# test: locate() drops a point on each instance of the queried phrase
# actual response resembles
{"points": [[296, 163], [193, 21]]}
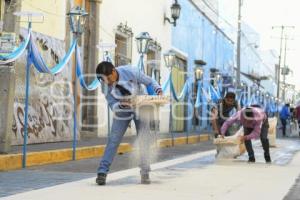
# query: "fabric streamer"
{"points": [[182, 94], [40, 63], [252, 100], [214, 94], [94, 84], [198, 98], [8, 58], [166, 84], [206, 95]]}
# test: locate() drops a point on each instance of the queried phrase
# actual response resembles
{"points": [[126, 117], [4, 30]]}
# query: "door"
{"points": [[179, 78]]}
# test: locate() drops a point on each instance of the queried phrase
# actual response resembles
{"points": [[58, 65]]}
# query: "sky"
{"points": [[261, 15]]}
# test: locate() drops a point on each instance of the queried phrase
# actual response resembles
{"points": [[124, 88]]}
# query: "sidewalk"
{"points": [[85, 142], [49, 153], [196, 176]]}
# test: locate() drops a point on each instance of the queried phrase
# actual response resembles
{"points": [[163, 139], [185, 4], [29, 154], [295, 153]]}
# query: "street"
{"points": [[183, 172]]}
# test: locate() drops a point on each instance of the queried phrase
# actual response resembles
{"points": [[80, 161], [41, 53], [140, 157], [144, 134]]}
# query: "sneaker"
{"points": [[101, 179], [251, 160], [145, 179], [268, 159]]}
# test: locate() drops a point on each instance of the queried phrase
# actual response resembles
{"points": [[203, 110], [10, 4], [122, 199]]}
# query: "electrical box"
{"points": [[285, 71]]}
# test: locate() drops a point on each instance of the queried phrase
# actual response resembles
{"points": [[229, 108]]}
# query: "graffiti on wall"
{"points": [[50, 102], [45, 121]]}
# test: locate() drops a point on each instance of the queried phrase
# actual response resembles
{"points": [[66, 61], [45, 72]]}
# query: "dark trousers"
{"points": [[263, 138], [283, 122], [299, 126]]}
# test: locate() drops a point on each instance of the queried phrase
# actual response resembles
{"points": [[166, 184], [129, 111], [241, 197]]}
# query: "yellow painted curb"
{"points": [[183, 140], [14, 161]]}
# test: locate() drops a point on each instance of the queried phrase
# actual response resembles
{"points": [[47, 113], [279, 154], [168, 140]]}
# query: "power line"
{"points": [[283, 28]]}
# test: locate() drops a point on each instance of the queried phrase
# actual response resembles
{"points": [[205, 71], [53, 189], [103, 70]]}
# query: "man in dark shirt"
{"points": [[222, 111]]}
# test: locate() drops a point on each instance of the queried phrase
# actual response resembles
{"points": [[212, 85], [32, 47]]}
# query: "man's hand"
{"points": [[125, 103], [218, 135], [159, 93]]}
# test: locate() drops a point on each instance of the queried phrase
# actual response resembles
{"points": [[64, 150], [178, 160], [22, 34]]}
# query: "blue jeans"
{"points": [[120, 124], [283, 122]]}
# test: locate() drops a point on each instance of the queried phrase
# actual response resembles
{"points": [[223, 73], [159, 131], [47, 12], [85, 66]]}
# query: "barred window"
{"points": [[154, 61], [123, 40]]}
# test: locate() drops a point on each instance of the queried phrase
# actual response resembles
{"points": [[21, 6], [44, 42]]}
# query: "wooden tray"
{"points": [[150, 100]]}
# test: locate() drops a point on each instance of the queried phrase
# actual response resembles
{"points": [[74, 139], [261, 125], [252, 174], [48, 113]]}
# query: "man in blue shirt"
{"points": [[123, 83], [284, 115]]}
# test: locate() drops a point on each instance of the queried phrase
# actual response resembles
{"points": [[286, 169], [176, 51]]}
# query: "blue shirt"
{"points": [[285, 113], [131, 79]]}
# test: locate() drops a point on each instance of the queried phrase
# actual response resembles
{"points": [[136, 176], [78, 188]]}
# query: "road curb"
{"points": [[14, 161]]}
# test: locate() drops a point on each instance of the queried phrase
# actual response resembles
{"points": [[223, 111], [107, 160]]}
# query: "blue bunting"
{"points": [[214, 94], [198, 98], [182, 94], [166, 84], [94, 84], [40, 63], [7, 58]]}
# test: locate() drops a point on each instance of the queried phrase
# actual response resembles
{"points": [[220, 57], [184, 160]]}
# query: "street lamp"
{"points": [[77, 18], [199, 69], [169, 58], [143, 40], [170, 61], [218, 77], [175, 13], [198, 73]]}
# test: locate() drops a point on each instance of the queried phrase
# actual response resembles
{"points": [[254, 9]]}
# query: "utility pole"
{"points": [[280, 51], [284, 72], [91, 59], [238, 50], [7, 79]]}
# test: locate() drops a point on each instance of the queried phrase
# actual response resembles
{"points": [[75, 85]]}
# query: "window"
{"points": [[123, 40], [153, 61]]}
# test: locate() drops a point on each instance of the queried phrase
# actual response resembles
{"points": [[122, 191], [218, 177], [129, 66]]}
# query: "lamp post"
{"points": [[258, 95], [77, 18], [243, 93], [143, 41], [30, 16], [267, 102], [175, 13], [169, 58]]}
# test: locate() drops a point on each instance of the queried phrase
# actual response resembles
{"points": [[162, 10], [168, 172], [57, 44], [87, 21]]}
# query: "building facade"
{"points": [[114, 23]]}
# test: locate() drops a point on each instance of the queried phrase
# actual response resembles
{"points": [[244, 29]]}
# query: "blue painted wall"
{"points": [[198, 38]]}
